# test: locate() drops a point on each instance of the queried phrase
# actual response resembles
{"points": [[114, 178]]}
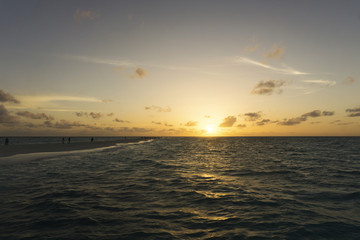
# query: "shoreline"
{"points": [[12, 150]]}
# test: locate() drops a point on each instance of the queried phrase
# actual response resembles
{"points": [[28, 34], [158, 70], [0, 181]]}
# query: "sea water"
{"points": [[187, 188]]}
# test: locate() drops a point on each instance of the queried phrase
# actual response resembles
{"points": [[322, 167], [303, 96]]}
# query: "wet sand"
{"points": [[10, 150]]}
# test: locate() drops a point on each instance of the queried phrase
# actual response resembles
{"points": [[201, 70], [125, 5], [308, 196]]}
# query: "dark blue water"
{"points": [[188, 188]]}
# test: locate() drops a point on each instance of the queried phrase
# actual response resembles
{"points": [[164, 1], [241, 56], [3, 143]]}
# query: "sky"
{"points": [[179, 68]]}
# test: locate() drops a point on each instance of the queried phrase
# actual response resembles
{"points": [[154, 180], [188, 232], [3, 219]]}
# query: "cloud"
{"points": [[252, 116], [284, 70], [53, 98], [65, 124], [293, 121], [315, 113], [304, 117], [341, 123], [111, 62], [207, 116], [139, 73], [7, 97], [82, 16], [5, 117], [160, 123], [120, 121], [118, 63], [157, 108], [252, 48], [349, 81], [191, 124], [37, 116], [94, 115], [81, 114], [241, 125], [263, 122], [328, 113], [353, 112], [268, 87], [275, 53], [228, 121], [321, 82], [119, 68]]}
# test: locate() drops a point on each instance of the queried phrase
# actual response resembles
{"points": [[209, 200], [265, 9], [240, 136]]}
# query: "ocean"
{"points": [[187, 188]]}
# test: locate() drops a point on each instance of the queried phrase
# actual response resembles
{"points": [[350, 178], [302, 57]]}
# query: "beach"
{"points": [[10, 150]]}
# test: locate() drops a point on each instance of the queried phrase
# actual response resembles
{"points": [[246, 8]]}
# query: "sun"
{"points": [[210, 129]]}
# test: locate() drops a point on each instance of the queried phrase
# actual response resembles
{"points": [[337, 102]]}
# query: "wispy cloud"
{"points": [[275, 53], [252, 48], [268, 87], [284, 70], [341, 123], [158, 109], [118, 64], [320, 82], [52, 98], [228, 121], [7, 97], [85, 15]]}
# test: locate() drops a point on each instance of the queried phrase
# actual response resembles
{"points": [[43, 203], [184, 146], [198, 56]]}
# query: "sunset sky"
{"points": [[179, 68]]}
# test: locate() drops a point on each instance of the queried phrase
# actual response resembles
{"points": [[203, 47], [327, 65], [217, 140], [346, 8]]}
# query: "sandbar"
{"points": [[10, 150]]}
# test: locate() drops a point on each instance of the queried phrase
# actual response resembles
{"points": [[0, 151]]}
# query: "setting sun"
{"points": [[210, 129]]}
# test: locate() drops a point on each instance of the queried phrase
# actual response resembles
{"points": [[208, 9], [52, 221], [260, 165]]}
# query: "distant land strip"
{"points": [[10, 150]]}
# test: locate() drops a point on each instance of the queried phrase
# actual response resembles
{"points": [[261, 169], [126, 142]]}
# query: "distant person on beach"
{"points": [[6, 141], [92, 139], [63, 140], [69, 139]]}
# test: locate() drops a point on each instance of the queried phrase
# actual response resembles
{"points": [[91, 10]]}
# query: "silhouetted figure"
{"points": [[69, 139], [63, 140], [92, 139], [6, 141]]}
